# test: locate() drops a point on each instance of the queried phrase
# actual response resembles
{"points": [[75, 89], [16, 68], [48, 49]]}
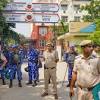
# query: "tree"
{"points": [[6, 33], [97, 21], [93, 16], [93, 11], [2, 20], [95, 37], [60, 29]]}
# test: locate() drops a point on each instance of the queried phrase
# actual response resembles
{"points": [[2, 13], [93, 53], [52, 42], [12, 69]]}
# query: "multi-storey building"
{"points": [[70, 10]]}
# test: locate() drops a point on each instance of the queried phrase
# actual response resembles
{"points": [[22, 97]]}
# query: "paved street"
{"points": [[34, 93]]}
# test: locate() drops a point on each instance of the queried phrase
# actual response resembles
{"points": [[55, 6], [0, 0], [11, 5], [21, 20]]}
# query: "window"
{"points": [[64, 8], [77, 18], [76, 7], [42, 43], [64, 18], [42, 30]]}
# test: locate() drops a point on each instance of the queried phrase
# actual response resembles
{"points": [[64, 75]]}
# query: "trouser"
{"points": [[70, 69], [84, 94], [13, 70], [2, 74], [50, 74], [37, 74], [32, 71]]}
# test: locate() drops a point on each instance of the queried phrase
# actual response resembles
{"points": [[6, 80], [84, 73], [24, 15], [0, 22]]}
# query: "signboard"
{"points": [[33, 7], [31, 17], [15, 7]]}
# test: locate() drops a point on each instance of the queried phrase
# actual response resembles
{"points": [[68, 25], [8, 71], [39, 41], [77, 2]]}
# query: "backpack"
{"points": [[15, 58], [1, 61]]}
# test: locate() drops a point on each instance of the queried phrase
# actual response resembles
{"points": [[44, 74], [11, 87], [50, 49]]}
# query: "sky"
{"points": [[24, 29]]}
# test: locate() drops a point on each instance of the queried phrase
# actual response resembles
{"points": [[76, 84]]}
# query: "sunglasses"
{"points": [[90, 46]]}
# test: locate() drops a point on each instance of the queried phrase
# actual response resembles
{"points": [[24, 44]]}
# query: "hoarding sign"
{"points": [[33, 7], [31, 17]]}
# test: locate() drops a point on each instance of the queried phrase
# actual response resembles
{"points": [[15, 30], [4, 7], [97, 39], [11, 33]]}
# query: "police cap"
{"points": [[85, 42], [14, 46], [48, 43]]}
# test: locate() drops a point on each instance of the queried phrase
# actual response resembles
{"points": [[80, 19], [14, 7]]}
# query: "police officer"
{"points": [[69, 57], [15, 66], [50, 62], [86, 71], [32, 64]]}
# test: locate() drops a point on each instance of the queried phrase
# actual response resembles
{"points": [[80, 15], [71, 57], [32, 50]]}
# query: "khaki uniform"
{"points": [[88, 75], [50, 69], [95, 54]]}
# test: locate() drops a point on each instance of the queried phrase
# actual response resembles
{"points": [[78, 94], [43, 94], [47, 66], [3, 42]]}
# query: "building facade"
{"points": [[70, 10], [41, 34]]}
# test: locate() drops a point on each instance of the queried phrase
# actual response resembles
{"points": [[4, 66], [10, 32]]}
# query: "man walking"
{"points": [[69, 57], [15, 66], [32, 55], [51, 59], [87, 72]]}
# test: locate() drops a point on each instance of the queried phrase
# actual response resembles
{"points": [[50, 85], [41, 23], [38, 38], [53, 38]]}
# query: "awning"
{"points": [[70, 35]]}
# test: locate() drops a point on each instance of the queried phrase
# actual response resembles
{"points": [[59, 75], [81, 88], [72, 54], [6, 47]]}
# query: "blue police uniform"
{"points": [[2, 72], [33, 64], [7, 54], [15, 67], [22, 55], [69, 58]]}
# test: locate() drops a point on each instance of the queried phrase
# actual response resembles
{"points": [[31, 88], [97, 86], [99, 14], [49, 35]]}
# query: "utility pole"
{"points": [[54, 35]]}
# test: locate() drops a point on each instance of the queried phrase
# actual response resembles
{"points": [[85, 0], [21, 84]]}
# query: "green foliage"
{"points": [[64, 26], [2, 22], [9, 36], [93, 11], [6, 33], [61, 29], [95, 37], [97, 21], [93, 16], [3, 4], [2, 19]]}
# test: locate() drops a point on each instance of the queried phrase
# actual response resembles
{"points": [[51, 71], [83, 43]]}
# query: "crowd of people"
{"points": [[11, 62], [83, 68]]}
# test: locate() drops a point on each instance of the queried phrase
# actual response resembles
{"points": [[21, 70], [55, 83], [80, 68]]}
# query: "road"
{"points": [[34, 93]]}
